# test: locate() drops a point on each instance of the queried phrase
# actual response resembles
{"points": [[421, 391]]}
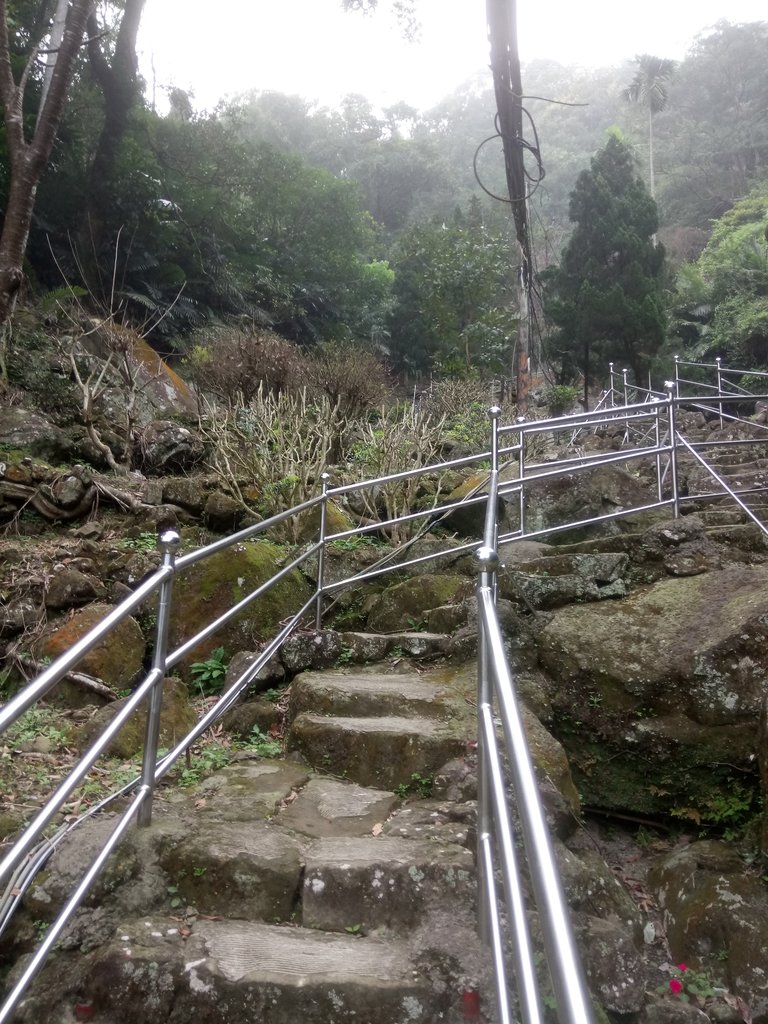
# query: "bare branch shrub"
{"points": [[349, 375], [406, 438], [270, 452], [232, 364]]}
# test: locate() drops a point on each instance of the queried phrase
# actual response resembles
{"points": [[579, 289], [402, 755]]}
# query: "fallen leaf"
{"points": [[200, 802], [377, 829]]}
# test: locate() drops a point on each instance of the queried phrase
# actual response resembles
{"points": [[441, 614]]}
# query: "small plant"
{"points": [[262, 744], [418, 785], [174, 897], [210, 759], [199, 872], [416, 625], [209, 674], [345, 655], [688, 984], [144, 542], [354, 929]]}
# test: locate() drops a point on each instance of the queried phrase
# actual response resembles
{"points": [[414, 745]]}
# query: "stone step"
{"points": [[237, 869], [235, 971], [383, 882], [331, 807], [385, 751], [362, 695]]}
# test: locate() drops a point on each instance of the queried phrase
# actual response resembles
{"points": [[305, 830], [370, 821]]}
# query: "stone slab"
{"points": [[236, 869], [328, 807], [363, 694], [382, 752], [247, 790], [382, 882]]}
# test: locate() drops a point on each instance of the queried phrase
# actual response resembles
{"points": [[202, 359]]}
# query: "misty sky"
{"points": [[312, 48]]}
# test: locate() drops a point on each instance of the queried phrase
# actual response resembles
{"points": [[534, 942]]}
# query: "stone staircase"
{"points": [[322, 888], [743, 469]]}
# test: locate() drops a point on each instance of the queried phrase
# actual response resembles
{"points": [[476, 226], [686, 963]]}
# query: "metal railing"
{"points": [[515, 475]]}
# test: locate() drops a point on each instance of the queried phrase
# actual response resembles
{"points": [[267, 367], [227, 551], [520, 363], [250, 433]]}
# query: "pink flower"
{"points": [[682, 967], [676, 985]]}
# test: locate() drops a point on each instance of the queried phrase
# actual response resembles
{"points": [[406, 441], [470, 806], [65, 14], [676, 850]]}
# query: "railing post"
{"points": [[168, 543], [487, 562], [521, 476], [610, 385], [719, 389], [626, 386], [325, 477], [657, 428], [670, 386], [676, 382]]}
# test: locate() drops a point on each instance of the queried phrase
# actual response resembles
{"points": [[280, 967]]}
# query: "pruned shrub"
{"points": [[349, 375], [269, 452], [232, 364]]}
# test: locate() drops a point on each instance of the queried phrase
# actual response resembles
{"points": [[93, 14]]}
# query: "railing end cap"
{"points": [[169, 540], [487, 559]]}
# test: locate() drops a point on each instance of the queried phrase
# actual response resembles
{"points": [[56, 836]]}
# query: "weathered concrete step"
{"points": [[330, 807], [338, 693], [383, 882], [237, 869], [383, 751], [235, 972]]}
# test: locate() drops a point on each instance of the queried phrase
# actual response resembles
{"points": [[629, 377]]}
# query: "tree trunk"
{"points": [[118, 84], [28, 160]]}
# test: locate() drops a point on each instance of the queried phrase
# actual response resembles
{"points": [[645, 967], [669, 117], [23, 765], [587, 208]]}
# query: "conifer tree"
{"points": [[605, 298]]}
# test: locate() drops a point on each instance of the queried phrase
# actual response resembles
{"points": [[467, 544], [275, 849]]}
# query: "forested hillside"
{"points": [[373, 226]]}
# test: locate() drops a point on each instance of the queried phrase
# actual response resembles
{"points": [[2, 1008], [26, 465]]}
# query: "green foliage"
{"points": [[37, 723], [143, 542], [418, 785], [721, 305], [606, 297], [209, 674], [262, 744], [208, 760], [454, 288], [560, 398]]}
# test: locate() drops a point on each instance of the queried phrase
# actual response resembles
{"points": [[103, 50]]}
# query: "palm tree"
{"points": [[649, 89]]}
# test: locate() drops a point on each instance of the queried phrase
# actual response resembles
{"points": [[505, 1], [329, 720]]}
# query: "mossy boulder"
{"points": [[587, 494], [658, 695], [177, 717], [117, 661], [212, 586], [715, 915], [406, 604], [336, 521]]}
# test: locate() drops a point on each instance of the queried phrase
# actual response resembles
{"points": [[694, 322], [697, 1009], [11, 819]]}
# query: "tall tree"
{"points": [[30, 149], [649, 89], [112, 58], [606, 296]]}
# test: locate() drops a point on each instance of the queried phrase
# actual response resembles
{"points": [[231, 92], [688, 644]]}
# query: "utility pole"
{"points": [[507, 83]]}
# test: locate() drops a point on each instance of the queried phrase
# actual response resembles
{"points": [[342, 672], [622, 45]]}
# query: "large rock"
{"points": [[405, 604], [555, 580], [586, 494], [658, 693], [33, 433], [117, 660], [177, 717], [712, 905], [169, 447], [212, 586]]}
